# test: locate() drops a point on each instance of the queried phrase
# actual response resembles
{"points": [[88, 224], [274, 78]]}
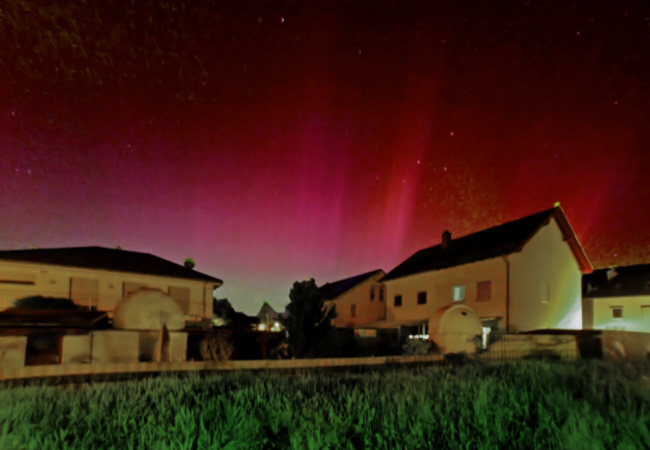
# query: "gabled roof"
{"points": [[101, 258], [621, 282], [494, 242], [330, 291], [267, 311]]}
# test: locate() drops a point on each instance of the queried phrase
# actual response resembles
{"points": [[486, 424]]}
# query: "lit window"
{"points": [[422, 298], [617, 312], [353, 310], [484, 336], [483, 291], [372, 293], [398, 300], [459, 293]]}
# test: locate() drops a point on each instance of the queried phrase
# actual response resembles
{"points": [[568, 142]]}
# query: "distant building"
{"points": [[359, 299], [269, 319], [522, 275], [98, 278], [617, 298]]}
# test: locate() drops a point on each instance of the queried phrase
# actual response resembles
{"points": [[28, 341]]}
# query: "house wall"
{"points": [[545, 284], [636, 313], [367, 311], [19, 280], [439, 285]]}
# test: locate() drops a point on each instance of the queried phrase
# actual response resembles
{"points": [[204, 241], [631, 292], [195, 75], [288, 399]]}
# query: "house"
{"points": [[518, 276], [98, 278], [617, 298], [270, 320], [359, 299]]}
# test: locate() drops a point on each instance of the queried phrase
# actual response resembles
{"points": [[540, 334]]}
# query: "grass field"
{"points": [[579, 405]]}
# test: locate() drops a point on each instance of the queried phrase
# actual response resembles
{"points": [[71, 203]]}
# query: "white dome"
{"points": [[454, 327], [148, 309]]}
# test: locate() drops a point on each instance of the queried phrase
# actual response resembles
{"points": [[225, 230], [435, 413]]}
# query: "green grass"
{"points": [[582, 405]]}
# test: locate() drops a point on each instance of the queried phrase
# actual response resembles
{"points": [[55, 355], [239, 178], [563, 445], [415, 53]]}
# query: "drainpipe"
{"points": [[507, 293]]}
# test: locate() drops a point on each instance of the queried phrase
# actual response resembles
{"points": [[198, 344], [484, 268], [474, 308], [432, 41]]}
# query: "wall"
{"points": [[439, 288], [12, 351], [367, 311], [635, 315], [54, 281], [545, 284]]}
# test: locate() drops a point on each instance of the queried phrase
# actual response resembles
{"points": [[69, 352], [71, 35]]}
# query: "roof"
{"points": [[494, 242], [330, 291], [101, 258], [267, 311], [625, 281]]}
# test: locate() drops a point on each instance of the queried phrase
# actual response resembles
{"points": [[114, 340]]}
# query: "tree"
{"points": [[309, 322], [41, 302], [222, 311]]}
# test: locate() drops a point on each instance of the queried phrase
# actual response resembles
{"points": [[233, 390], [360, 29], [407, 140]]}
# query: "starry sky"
{"points": [[278, 141]]}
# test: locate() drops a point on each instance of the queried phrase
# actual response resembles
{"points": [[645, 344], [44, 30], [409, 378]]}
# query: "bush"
{"points": [[216, 347], [41, 302], [417, 347]]}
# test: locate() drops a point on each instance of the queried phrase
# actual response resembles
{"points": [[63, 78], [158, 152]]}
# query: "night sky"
{"points": [[278, 141]]}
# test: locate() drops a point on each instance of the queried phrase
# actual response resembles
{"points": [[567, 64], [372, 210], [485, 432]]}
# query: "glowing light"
{"points": [[261, 327]]}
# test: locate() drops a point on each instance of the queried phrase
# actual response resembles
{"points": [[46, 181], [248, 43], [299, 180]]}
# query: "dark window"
{"points": [[372, 293], [353, 310], [483, 291], [381, 293], [617, 312], [422, 298], [398, 300]]}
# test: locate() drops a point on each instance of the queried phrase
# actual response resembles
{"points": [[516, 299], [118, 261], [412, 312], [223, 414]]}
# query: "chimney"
{"points": [[446, 239]]}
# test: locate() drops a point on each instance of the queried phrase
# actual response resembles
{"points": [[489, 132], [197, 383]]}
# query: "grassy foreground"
{"points": [[582, 405]]}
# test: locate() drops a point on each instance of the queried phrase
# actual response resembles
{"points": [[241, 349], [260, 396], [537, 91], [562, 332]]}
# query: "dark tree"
{"points": [[309, 322], [223, 309], [41, 302]]}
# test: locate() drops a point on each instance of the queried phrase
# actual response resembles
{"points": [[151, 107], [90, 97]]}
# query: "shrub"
{"points": [[216, 346]]}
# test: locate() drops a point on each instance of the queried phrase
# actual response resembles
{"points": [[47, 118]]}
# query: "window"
{"points": [[372, 293], [617, 312], [422, 298], [353, 310], [365, 332], [381, 293], [459, 293], [485, 335], [483, 291], [182, 297], [398, 300]]}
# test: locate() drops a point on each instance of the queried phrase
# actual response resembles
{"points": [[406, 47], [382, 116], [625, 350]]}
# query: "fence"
{"points": [[512, 347]]}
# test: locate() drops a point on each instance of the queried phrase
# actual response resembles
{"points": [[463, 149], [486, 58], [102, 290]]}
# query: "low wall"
{"points": [[283, 364], [625, 345], [115, 346], [12, 351], [521, 346]]}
